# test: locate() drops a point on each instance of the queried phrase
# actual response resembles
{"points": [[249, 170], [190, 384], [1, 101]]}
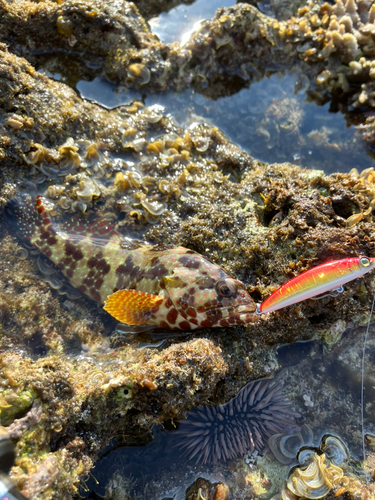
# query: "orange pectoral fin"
{"points": [[132, 307]]}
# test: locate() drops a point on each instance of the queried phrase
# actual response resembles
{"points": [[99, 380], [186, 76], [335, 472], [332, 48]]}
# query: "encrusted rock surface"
{"points": [[69, 387]]}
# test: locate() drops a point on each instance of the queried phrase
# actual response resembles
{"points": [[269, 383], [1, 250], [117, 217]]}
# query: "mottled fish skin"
{"points": [[98, 261]]}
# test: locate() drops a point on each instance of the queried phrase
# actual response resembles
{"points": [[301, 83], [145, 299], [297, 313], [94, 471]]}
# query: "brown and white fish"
{"points": [[143, 285]]}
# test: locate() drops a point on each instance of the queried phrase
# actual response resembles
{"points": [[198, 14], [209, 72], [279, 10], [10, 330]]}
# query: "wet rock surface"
{"points": [[69, 385]]}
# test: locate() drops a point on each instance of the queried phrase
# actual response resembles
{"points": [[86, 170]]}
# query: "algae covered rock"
{"points": [[69, 386]]}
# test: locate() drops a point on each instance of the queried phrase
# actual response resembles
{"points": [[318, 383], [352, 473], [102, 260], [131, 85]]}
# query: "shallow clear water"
{"points": [[327, 382], [272, 120]]}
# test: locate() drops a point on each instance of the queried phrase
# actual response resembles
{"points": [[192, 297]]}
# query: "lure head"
{"points": [[360, 265], [203, 295], [366, 264]]}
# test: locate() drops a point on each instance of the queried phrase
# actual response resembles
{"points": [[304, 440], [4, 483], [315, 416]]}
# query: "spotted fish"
{"points": [[146, 286]]}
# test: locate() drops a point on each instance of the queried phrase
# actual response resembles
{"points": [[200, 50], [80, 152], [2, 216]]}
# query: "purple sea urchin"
{"points": [[224, 432]]}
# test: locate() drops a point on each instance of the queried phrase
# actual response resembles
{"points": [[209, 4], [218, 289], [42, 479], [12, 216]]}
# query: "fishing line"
{"points": [[362, 382]]}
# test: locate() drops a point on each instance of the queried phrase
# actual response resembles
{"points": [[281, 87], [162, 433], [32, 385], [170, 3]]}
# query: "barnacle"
{"points": [[155, 208], [79, 206], [354, 219], [219, 177], [55, 281], [130, 180], [147, 181], [22, 253], [68, 152], [45, 268], [226, 21], [316, 480], [91, 153], [64, 26], [41, 153], [153, 114], [164, 186], [334, 449], [220, 42], [137, 214], [137, 144], [88, 189], [155, 147], [201, 144], [65, 203], [140, 73], [54, 191]]}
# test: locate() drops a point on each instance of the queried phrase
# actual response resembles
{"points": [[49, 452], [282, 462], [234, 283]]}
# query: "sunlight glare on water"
{"points": [[177, 24]]}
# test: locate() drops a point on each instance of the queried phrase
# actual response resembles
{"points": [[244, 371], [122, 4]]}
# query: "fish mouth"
{"points": [[238, 315], [239, 310]]}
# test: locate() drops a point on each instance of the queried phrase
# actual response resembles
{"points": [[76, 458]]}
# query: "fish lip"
{"points": [[245, 309], [241, 309]]}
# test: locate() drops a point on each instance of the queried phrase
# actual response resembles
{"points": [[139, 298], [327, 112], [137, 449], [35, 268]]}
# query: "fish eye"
{"points": [[226, 287], [364, 261]]}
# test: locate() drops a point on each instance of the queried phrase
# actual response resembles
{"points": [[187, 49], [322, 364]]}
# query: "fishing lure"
{"points": [[320, 279], [141, 285]]}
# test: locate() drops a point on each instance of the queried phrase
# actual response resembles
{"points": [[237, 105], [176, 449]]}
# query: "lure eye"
{"points": [[364, 261], [226, 288]]}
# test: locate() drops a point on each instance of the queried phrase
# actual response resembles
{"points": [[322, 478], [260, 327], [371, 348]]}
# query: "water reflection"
{"points": [[273, 120], [177, 24]]}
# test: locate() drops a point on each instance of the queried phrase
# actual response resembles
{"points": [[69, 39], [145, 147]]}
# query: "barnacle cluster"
{"points": [[314, 480], [365, 184], [319, 472], [342, 31]]}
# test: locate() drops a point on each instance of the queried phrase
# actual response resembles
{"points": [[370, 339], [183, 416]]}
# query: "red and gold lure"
{"points": [[320, 279]]}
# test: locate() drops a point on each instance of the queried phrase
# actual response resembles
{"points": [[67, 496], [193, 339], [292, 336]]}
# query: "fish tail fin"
{"points": [[29, 216]]}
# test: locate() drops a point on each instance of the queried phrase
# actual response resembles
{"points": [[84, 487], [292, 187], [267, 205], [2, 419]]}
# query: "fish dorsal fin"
{"points": [[97, 232], [89, 227], [132, 307]]}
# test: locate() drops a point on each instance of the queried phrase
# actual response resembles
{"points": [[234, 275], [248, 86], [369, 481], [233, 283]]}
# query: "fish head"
{"points": [[206, 296]]}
